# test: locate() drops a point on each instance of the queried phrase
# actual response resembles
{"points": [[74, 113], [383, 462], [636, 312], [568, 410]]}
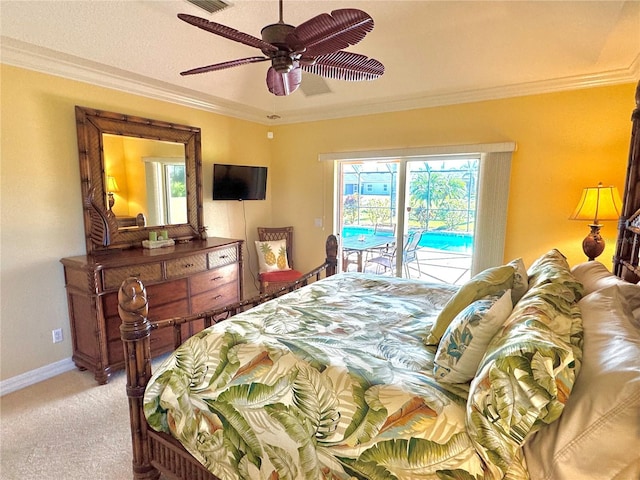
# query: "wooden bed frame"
{"points": [[625, 261], [155, 453]]}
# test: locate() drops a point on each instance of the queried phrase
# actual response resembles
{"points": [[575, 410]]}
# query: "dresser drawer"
{"points": [[157, 295], [148, 273], [215, 298], [182, 267], [167, 292], [214, 278], [169, 310], [161, 341], [223, 256], [161, 312], [79, 278]]}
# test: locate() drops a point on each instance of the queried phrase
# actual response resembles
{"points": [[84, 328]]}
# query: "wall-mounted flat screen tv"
{"points": [[239, 182]]}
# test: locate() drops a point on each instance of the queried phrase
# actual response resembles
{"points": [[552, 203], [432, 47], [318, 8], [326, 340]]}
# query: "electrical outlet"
{"points": [[57, 335]]}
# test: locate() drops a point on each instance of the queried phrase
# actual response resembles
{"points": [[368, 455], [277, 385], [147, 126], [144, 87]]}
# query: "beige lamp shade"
{"points": [[112, 185], [598, 203]]}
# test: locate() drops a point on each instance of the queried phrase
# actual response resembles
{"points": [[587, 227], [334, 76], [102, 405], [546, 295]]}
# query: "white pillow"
{"points": [[596, 436], [631, 294], [465, 341], [272, 256], [594, 275]]}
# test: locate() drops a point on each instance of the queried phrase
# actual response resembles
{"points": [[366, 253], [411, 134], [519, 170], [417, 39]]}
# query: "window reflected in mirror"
{"points": [[151, 179]]}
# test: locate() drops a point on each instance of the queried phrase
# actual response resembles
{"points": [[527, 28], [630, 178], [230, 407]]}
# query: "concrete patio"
{"points": [[439, 266]]}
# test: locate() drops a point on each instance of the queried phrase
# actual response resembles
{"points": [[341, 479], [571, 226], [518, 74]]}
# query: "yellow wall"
{"points": [[565, 141]]}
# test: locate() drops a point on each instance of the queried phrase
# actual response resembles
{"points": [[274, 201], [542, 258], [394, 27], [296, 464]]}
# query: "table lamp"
{"points": [[597, 203], [112, 187]]}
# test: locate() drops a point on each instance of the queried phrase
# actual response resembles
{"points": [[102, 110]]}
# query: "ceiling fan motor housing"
{"points": [[276, 34]]}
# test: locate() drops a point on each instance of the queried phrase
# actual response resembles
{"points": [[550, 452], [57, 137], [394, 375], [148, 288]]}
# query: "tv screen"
{"points": [[239, 182]]}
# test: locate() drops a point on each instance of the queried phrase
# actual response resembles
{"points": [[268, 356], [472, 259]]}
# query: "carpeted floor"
{"points": [[66, 428]]}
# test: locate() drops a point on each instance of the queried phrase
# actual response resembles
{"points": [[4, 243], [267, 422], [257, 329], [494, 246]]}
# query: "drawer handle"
{"points": [[217, 297], [188, 265], [217, 278], [222, 257]]}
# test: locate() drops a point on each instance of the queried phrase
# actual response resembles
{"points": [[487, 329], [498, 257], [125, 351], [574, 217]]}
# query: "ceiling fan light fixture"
{"points": [[282, 63]]}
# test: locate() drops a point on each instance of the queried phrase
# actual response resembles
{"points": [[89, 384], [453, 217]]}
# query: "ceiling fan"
{"points": [[316, 46]]}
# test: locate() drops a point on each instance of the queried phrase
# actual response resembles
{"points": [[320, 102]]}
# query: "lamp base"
{"points": [[593, 244]]}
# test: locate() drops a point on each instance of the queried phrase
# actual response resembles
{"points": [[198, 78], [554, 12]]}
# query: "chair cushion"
{"points": [[280, 276]]}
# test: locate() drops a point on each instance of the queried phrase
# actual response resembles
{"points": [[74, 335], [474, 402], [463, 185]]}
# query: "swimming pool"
{"points": [[448, 241]]}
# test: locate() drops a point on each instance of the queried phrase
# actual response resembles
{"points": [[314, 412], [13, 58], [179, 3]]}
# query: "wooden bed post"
{"points": [[630, 201], [331, 248], [135, 331]]}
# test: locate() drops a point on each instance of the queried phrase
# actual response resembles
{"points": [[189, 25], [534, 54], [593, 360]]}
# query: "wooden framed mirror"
{"points": [[138, 175]]}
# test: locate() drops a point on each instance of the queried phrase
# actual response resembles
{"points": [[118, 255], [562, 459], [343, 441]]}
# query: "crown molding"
{"points": [[612, 77], [44, 60], [31, 57]]}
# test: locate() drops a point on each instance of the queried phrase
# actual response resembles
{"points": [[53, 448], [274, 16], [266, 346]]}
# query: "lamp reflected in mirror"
{"points": [[597, 203], [112, 187]]}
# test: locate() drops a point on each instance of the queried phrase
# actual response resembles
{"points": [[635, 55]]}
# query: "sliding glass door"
{"points": [[440, 206], [409, 217]]}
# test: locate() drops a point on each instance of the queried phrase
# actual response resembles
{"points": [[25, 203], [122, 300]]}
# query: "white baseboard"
{"points": [[34, 376]]}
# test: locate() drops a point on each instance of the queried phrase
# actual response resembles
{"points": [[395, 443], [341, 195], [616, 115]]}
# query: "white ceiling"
{"points": [[434, 52]]}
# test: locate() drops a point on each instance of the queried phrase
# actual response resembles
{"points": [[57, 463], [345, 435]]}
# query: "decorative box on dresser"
{"points": [[186, 278]]}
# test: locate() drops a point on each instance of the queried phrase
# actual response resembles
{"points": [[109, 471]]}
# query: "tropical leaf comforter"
{"points": [[332, 381]]}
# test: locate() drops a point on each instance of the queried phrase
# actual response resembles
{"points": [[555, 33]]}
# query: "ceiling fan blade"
{"points": [[346, 66], [223, 65], [328, 33], [227, 32], [282, 84]]}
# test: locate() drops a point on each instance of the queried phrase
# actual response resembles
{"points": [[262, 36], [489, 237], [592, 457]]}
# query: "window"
{"points": [[166, 190]]}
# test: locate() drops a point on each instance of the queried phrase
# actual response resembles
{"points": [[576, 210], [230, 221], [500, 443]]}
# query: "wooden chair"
{"points": [[271, 281]]}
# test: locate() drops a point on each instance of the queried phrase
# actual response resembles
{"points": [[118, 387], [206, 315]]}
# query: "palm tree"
{"points": [[440, 196]]}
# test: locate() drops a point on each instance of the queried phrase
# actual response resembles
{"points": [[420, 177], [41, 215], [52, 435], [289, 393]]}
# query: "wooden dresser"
{"points": [[180, 280]]}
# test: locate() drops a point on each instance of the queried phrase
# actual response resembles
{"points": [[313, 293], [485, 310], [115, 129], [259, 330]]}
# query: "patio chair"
{"points": [[409, 254], [382, 229]]}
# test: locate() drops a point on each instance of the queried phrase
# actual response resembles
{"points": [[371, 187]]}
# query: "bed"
{"points": [[357, 376]]}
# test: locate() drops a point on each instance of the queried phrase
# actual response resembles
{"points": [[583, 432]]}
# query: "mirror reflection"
{"points": [[145, 181]]}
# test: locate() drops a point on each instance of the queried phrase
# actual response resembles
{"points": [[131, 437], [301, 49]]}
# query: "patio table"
{"points": [[359, 244]]}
